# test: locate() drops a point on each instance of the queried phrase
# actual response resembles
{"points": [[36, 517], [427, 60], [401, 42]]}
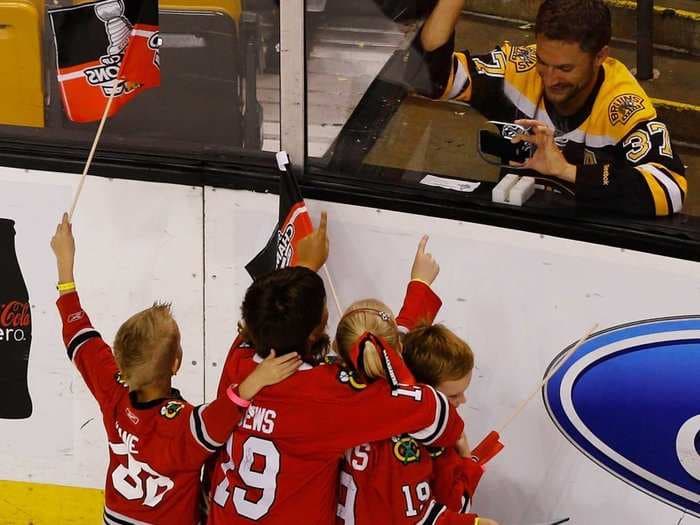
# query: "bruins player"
{"points": [[594, 126]]}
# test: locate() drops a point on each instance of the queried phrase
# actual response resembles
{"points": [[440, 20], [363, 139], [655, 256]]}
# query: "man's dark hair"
{"points": [[281, 310], [586, 22]]}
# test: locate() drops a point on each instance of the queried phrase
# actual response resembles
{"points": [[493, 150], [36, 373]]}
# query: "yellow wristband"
{"points": [[65, 287], [476, 521]]}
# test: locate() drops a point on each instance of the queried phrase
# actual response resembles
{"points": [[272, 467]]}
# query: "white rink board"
{"points": [[518, 299], [136, 242]]}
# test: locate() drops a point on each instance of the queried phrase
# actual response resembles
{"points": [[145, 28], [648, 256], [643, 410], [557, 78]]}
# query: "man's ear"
{"points": [[602, 56]]}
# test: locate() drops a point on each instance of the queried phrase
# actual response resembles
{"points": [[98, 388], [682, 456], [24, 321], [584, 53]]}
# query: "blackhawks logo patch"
{"points": [[524, 58], [171, 409], [348, 378], [623, 107], [406, 449]]}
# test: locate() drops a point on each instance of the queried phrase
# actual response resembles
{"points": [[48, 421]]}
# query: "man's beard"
{"points": [[567, 96]]}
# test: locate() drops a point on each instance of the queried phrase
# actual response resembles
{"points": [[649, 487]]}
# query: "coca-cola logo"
{"points": [[15, 317], [15, 314]]}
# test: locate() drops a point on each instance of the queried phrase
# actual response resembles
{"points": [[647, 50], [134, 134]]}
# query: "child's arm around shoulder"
{"points": [[212, 423]]}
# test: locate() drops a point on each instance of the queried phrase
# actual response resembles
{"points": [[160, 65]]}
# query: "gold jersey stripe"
{"points": [[657, 193], [680, 180]]}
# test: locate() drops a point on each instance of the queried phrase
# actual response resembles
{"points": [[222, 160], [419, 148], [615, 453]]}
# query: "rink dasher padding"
{"points": [[518, 298]]}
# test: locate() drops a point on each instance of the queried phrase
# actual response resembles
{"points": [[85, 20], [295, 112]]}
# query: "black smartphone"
{"points": [[497, 149]]}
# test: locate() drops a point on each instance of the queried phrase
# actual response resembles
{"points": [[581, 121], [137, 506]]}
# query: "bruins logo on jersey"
{"points": [[172, 409], [524, 58], [623, 107], [348, 378], [406, 449]]}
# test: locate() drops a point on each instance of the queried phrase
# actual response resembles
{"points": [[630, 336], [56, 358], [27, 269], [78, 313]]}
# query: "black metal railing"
{"points": [[645, 39]]}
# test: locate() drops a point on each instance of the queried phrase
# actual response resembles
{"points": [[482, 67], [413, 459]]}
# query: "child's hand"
{"points": [[272, 370], [425, 268], [462, 447], [312, 250], [63, 246]]}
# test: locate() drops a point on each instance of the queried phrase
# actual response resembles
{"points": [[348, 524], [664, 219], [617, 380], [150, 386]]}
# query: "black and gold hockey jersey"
{"points": [[623, 153]]}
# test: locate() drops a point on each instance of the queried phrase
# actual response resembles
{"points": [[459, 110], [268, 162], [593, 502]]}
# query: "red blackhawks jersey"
{"points": [[397, 481], [401, 482], [282, 465], [156, 449]]}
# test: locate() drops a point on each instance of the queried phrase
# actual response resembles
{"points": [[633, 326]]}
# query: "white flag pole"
{"points": [[553, 371], [92, 150]]}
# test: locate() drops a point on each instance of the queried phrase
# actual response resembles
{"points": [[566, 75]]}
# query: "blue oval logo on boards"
{"points": [[629, 398]]}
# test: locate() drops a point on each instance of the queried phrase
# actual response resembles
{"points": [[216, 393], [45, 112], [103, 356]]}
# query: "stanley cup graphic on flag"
{"points": [[293, 225], [103, 49]]}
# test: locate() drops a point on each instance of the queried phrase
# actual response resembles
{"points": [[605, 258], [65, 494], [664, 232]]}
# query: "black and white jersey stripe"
{"points": [[79, 339], [114, 518], [109, 517], [432, 513], [199, 430], [432, 433]]}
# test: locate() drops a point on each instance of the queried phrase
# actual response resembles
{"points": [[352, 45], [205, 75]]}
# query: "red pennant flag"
{"points": [[102, 49], [293, 225], [488, 448]]}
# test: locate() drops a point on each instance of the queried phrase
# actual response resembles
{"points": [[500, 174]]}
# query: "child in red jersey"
{"points": [[400, 481], [282, 465], [157, 441]]}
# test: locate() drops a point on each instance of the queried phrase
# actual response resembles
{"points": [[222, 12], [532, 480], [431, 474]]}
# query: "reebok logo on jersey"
{"points": [[132, 417], [77, 316]]}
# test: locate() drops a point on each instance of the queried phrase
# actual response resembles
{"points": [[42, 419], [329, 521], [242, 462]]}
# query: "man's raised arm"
{"points": [[440, 25]]}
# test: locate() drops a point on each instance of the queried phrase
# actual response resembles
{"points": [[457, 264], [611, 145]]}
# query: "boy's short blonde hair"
{"points": [[146, 345], [368, 315], [434, 354]]}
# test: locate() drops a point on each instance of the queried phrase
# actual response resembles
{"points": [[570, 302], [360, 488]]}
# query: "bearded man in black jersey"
{"points": [[595, 129]]}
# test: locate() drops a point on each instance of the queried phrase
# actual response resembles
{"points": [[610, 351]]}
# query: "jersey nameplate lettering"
{"points": [[259, 419]]}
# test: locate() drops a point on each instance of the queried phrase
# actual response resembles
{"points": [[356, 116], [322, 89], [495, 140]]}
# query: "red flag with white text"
{"points": [[293, 225], [104, 48]]}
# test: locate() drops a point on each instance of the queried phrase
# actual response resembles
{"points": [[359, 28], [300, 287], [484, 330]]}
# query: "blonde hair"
{"points": [[368, 315], [435, 354], [146, 345]]}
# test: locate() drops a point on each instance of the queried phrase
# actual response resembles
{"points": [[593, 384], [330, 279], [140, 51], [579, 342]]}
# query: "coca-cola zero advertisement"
{"points": [[15, 330]]}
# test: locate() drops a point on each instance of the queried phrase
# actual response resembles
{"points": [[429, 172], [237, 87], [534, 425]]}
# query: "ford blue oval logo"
{"points": [[629, 398]]}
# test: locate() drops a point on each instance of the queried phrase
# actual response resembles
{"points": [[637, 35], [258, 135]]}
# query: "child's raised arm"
{"points": [[63, 246]]}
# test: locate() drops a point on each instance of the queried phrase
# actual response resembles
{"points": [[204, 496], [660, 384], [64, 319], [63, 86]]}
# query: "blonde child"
{"points": [[392, 481], [157, 441]]}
